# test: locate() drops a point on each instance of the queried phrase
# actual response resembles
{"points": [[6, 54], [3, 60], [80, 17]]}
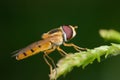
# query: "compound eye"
{"points": [[68, 32]]}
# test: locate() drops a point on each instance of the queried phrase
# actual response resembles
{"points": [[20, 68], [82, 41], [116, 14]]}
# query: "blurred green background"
{"points": [[24, 21]]}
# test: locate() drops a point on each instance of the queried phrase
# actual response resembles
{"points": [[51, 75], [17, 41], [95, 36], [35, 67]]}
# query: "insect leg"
{"points": [[46, 56], [63, 53], [74, 46], [50, 50]]}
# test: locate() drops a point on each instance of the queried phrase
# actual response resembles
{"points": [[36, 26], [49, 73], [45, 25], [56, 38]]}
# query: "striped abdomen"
{"points": [[33, 49]]}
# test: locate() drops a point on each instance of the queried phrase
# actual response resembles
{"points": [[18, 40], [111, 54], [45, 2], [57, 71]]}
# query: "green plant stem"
{"points": [[84, 58]]}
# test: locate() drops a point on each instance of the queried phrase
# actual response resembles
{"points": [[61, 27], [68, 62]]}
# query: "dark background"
{"points": [[24, 21]]}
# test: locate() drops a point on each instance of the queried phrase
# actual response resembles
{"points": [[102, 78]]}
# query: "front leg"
{"points": [[75, 47]]}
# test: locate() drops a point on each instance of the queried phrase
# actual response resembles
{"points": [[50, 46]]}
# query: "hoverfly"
{"points": [[50, 41]]}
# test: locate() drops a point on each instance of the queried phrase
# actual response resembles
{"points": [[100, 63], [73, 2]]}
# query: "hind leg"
{"points": [[45, 56]]}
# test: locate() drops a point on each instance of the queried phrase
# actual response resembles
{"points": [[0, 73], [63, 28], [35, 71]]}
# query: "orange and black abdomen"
{"points": [[33, 49]]}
